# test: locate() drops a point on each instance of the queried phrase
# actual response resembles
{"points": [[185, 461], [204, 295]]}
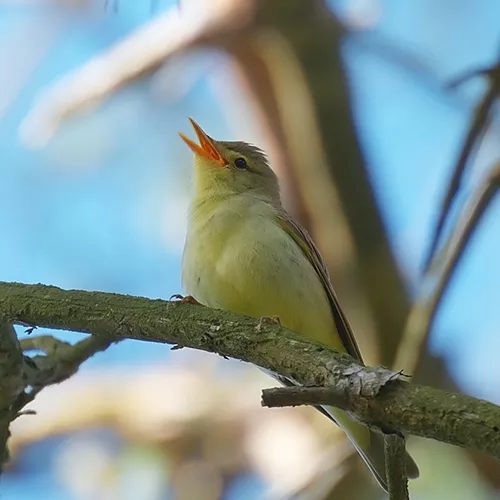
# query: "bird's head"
{"points": [[231, 168]]}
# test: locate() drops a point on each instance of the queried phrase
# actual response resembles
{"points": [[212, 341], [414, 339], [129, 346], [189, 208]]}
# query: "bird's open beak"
{"points": [[206, 147]]}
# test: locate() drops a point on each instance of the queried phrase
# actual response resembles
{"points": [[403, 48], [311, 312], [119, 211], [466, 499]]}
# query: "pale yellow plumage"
{"points": [[243, 253]]}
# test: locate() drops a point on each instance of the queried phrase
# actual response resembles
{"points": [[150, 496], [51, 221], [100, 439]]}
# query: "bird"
{"points": [[245, 254]]}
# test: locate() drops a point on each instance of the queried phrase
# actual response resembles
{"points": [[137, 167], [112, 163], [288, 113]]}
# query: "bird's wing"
{"points": [[309, 249]]}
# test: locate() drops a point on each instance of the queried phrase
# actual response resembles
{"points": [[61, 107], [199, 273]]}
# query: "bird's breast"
{"points": [[247, 264]]}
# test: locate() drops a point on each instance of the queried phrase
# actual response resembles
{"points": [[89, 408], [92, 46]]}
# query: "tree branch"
{"points": [[375, 396], [137, 55]]}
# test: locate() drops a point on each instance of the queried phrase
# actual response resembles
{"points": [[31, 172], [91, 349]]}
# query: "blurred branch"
{"points": [[397, 480], [24, 57], [374, 396], [440, 273], [477, 129], [138, 55]]}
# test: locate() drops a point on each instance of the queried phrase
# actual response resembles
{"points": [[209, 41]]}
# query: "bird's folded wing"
{"points": [[309, 249]]}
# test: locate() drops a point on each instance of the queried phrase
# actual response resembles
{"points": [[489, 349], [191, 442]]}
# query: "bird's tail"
{"points": [[370, 445]]}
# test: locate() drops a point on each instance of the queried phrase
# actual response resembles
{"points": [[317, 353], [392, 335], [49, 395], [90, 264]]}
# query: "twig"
{"points": [[440, 273], [62, 359], [45, 343], [395, 467], [397, 408], [374, 396]]}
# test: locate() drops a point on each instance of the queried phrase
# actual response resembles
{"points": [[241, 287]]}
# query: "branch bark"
{"points": [[374, 396]]}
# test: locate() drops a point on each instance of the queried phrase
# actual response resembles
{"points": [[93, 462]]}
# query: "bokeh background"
{"points": [[102, 206]]}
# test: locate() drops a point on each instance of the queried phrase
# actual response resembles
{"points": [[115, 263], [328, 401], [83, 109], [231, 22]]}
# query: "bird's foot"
{"points": [[188, 299], [267, 320]]}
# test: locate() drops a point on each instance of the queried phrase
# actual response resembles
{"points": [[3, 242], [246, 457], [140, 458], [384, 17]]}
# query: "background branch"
{"points": [[374, 396], [134, 57]]}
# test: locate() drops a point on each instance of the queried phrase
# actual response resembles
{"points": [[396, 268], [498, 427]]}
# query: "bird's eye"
{"points": [[240, 163]]}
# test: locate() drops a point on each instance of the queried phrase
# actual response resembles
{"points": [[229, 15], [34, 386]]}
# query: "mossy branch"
{"points": [[375, 396]]}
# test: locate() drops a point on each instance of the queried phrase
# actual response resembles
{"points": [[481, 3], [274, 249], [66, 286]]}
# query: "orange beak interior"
{"points": [[206, 147]]}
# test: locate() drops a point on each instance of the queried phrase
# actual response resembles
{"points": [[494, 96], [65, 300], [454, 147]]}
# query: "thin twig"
{"points": [[63, 359], [440, 273], [46, 343]]}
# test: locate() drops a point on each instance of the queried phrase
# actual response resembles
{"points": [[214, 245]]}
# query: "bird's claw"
{"points": [[268, 320], [188, 299]]}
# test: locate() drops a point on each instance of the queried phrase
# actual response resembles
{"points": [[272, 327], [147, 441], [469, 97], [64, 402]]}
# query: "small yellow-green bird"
{"points": [[245, 254]]}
